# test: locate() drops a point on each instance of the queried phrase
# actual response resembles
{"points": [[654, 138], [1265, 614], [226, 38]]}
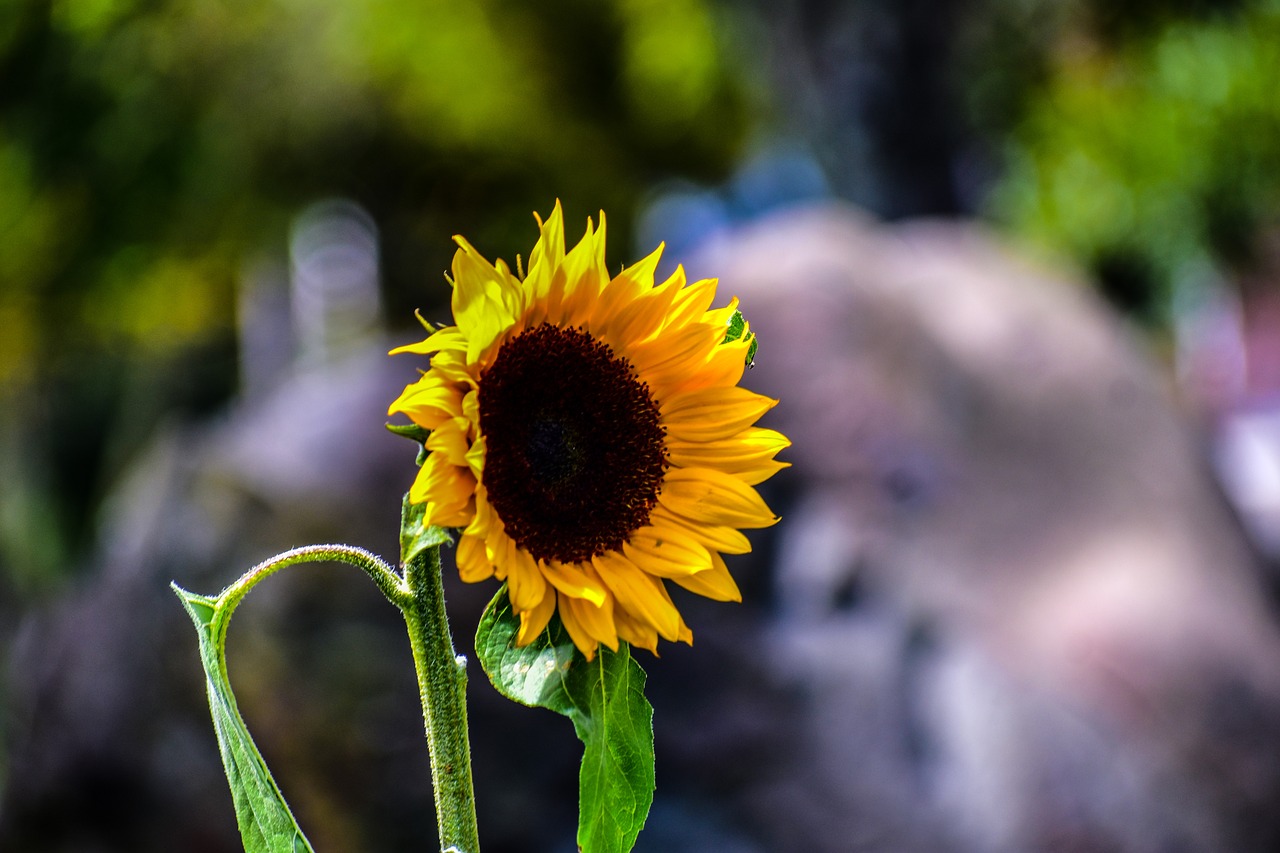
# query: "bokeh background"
{"points": [[1014, 264]]}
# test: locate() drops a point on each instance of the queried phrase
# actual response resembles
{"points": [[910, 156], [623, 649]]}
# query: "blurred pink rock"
{"points": [[1091, 661]]}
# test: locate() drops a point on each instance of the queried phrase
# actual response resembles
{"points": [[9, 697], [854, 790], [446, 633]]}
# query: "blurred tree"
{"points": [[149, 148], [1153, 155], [1138, 138]]}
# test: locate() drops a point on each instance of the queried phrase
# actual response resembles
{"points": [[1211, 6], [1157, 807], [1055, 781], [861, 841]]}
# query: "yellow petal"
{"points": [[720, 317], [617, 295], [496, 545], [545, 283], [471, 406], [449, 439], [757, 474], [713, 497], [450, 337], [451, 365], [747, 455], [691, 303], [596, 620], [664, 362], [475, 457], [429, 401], [448, 515], [641, 272], [623, 292], [642, 319], [750, 471], [722, 368], [635, 631], [712, 414], [440, 484], [666, 552], [547, 254], [473, 564], [525, 582], [585, 276], [715, 583], [577, 632], [453, 516], [677, 283], [533, 622], [715, 537], [550, 307], [641, 594], [684, 635], [574, 582], [480, 523], [485, 301]]}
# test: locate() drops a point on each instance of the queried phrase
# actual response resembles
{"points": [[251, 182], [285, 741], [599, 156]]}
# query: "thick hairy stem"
{"points": [[442, 684]]}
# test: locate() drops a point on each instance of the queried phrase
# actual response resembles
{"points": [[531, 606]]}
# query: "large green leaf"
{"points": [[266, 824], [605, 700]]}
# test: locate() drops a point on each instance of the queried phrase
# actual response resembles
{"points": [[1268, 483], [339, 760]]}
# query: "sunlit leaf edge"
{"points": [[266, 823]]}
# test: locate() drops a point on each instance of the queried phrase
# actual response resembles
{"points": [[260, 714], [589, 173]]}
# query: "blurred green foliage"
{"points": [[149, 149], [1153, 153]]}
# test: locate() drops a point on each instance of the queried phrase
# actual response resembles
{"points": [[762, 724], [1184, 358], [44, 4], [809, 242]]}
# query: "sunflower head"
{"points": [[588, 436]]}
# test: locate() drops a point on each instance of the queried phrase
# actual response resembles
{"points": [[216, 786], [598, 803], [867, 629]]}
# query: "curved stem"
{"points": [[391, 584], [442, 685], [442, 674]]}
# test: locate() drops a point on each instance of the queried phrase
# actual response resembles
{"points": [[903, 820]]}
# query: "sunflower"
{"points": [[589, 439]]}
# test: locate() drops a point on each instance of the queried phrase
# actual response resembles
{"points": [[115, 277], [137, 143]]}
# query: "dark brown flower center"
{"points": [[574, 448]]}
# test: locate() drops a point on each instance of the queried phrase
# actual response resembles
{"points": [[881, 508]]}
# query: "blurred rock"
{"points": [[1059, 638]]}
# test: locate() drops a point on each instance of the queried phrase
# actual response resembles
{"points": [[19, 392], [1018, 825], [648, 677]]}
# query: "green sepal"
{"points": [[266, 824], [415, 535], [605, 700], [736, 329], [415, 432]]}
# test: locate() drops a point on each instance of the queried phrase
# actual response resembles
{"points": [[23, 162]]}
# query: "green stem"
{"points": [[442, 683], [442, 674], [383, 575]]}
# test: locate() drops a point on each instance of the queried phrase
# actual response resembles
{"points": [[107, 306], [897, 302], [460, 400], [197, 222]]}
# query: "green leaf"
{"points": [[605, 700], [415, 535], [266, 824], [737, 328]]}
